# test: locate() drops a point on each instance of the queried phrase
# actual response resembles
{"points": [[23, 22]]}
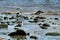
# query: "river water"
{"points": [[30, 5], [31, 27]]}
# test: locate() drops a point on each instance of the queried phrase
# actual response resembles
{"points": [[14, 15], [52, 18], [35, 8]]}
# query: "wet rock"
{"points": [[28, 33], [33, 21], [43, 21], [39, 24], [43, 27], [18, 33], [17, 13], [40, 17], [5, 18], [8, 39], [38, 12], [46, 24], [53, 23], [31, 18], [36, 20], [17, 16], [25, 17], [19, 24], [12, 17], [17, 8], [49, 21], [56, 18], [52, 34], [33, 37], [16, 28], [8, 23]]}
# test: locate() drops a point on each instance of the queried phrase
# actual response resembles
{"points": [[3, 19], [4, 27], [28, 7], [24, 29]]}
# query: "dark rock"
{"points": [[45, 24], [12, 17], [16, 28], [17, 13], [40, 17], [49, 21], [38, 12], [33, 37], [31, 18], [20, 12], [36, 20], [43, 21], [53, 23], [8, 23], [52, 34], [43, 27], [17, 16], [18, 33], [8, 39], [28, 33], [25, 17], [19, 24], [9, 18], [33, 21], [5, 18], [39, 24], [56, 18]]}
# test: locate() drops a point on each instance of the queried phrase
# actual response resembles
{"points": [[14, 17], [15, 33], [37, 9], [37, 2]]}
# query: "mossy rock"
{"points": [[52, 34], [3, 25]]}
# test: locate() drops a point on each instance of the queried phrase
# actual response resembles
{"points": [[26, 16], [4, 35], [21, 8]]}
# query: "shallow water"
{"points": [[30, 5], [31, 27]]}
